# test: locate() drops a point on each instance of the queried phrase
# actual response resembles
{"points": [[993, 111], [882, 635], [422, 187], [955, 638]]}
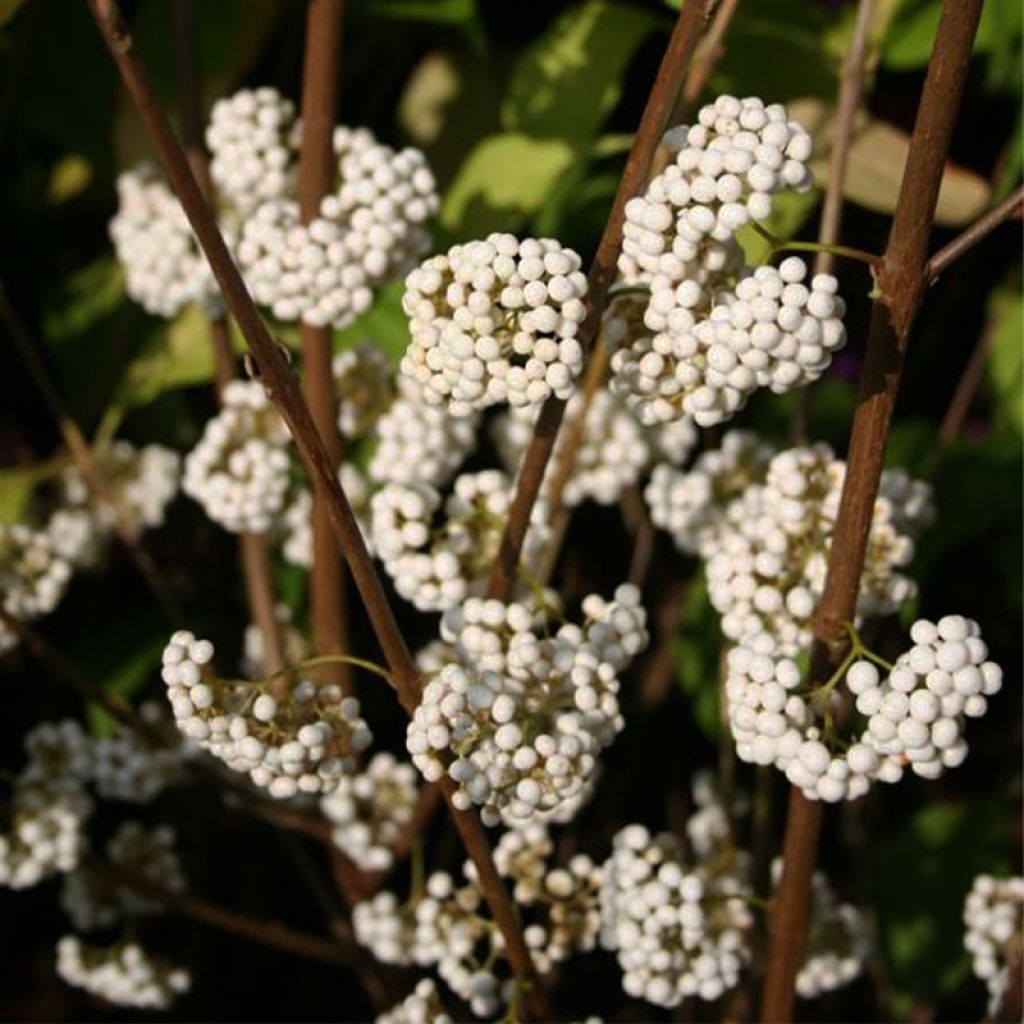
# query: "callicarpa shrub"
{"points": [[466, 562]]}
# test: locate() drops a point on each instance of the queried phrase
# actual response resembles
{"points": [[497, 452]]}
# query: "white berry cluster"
{"points": [[443, 926], [143, 482], [438, 567], [240, 469], [93, 902], [164, 268], [417, 442], [914, 716], [297, 521], [369, 231], [495, 321], [707, 348], [677, 930], [766, 570], [691, 505], [714, 330], [251, 136], [119, 765], [299, 741], [993, 922], [569, 897], [43, 834], [370, 809], [365, 388], [125, 975], [33, 576], [422, 1006], [724, 172], [520, 714], [614, 452], [838, 940]]}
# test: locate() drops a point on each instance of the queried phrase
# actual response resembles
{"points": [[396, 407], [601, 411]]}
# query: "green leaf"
{"points": [[123, 682], [697, 646], [928, 869], [384, 324], [908, 44], [82, 300], [16, 487], [571, 78], [178, 355], [445, 12], [503, 182], [1006, 360], [779, 49]]}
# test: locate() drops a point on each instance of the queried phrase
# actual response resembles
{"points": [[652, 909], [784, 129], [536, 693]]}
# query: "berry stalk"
{"points": [[902, 282]]}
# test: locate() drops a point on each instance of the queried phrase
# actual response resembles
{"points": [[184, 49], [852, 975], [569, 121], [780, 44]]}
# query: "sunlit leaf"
{"points": [[1006, 359], [71, 176], [177, 356], [570, 79], [877, 156], [503, 181]]}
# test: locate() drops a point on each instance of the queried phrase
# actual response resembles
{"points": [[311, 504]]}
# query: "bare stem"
{"points": [[320, 81], [275, 375], [901, 282], [263, 931], [851, 87], [37, 645], [705, 60], [677, 56], [255, 551], [1010, 207]]}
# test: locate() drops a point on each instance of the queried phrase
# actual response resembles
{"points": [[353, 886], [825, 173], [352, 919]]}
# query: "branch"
{"points": [[321, 72], [851, 87], [901, 284], [602, 272], [1010, 207], [66, 670], [283, 391], [264, 931], [256, 571], [709, 53]]}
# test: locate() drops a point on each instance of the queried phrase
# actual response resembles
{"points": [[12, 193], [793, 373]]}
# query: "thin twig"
{"points": [[901, 284], [1010, 207], [255, 551], [275, 375], [677, 56], [264, 931], [320, 80], [128, 530], [851, 87], [705, 60], [37, 645]]}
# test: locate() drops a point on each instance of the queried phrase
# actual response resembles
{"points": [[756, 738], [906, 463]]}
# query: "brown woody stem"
{"points": [[901, 283], [281, 387], [320, 80]]}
